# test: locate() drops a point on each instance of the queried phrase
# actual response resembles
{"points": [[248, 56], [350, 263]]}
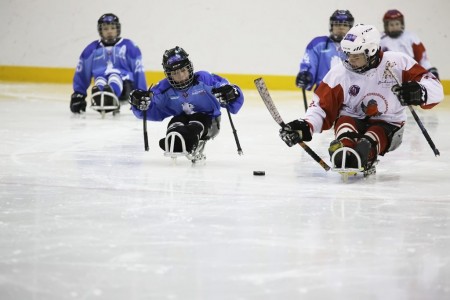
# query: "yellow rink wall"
{"points": [[65, 75]]}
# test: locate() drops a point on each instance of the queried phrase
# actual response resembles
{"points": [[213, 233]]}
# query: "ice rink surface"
{"points": [[86, 213]]}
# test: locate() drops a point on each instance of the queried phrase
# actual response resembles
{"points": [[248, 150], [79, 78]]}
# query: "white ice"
{"points": [[86, 213]]}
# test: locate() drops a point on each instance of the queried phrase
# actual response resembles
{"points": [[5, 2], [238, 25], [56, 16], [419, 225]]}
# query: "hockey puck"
{"points": [[259, 173]]}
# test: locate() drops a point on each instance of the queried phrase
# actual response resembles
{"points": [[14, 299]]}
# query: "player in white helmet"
{"points": [[362, 101]]}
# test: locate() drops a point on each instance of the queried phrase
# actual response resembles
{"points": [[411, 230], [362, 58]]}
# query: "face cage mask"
{"points": [[338, 38], [359, 70], [183, 84], [110, 41]]}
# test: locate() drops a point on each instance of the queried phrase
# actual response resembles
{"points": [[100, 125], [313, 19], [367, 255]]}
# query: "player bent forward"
{"points": [[364, 102], [192, 99]]}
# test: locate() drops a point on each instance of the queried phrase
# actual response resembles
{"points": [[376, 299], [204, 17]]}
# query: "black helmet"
{"points": [[340, 16], [175, 59], [108, 19]]}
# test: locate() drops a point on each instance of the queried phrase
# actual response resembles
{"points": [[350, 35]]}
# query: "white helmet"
{"points": [[362, 39]]}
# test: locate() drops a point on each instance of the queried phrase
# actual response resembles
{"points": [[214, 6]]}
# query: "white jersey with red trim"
{"points": [[408, 43], [369, 96]]}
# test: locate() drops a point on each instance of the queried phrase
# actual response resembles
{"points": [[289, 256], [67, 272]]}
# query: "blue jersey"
{"points": [[96, 60], [321, 54], [198, 98]]}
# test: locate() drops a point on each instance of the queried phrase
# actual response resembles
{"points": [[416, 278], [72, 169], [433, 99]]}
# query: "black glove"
{"points": [[304, 80], [295, 132], [77, 103], [226, 93], [141, 99], [410, 93], [434, 71]]}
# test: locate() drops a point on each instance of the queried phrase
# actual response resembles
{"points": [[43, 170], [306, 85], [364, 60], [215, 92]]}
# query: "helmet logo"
{"points": [[177, 57], [350, 37]]}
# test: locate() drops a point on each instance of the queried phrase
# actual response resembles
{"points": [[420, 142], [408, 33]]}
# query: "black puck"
{"points": [[259, 173]]}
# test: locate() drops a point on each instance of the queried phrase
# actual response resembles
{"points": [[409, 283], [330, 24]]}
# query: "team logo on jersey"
{"points": [[374, 105], [353, 90], [188, 108], [371, 109]]}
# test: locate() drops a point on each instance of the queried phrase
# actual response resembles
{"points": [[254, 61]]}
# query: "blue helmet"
{"points": [[341, 17]]}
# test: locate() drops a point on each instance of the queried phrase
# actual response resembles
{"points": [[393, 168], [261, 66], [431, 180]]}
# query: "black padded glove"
{"points": [[295, 132], [410, 93], [141, 99], [77, 103], [304, 80], [226, 93], [434, 71]]}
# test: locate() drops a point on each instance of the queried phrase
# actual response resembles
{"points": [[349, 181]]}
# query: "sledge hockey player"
{"points": [[193, 99], [323, 51], [396, 38], [363, 101], [115, 63]]}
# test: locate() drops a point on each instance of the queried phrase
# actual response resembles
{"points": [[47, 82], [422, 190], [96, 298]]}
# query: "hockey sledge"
{"points": [[346, 172], [114, 107], [194, 156]]}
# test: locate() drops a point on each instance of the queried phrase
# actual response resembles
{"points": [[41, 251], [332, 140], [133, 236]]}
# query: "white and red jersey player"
{"points": [[362, 100], [368, 96], [408, 43], [350, 101]]}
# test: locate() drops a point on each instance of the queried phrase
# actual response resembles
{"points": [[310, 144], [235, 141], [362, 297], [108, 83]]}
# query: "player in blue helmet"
{"points": [[323, 52], [115, 64], [192, 99]]}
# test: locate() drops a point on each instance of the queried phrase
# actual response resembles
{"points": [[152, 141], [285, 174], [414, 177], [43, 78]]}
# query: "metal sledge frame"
{"points": [[194, 156], [102, 108], [346, 172]]}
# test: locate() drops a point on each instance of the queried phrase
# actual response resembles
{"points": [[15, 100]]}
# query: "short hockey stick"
{"points": [[304, 99], [416, 117], [262, 89], [239, 149], [144, 120]]}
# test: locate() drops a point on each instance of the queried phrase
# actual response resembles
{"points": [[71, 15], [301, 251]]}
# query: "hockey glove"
{"points": [[304, 80], [226, 94], [410, 93], [434, 71], [295, 132], [77, 103], [141, 99]]}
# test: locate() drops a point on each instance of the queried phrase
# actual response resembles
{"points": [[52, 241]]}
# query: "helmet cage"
{"points": [[176, 59], [109, 19]]}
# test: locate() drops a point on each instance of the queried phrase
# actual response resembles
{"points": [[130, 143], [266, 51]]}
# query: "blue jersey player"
{"points": [[323, 52], [192, 99], [115, 63]]}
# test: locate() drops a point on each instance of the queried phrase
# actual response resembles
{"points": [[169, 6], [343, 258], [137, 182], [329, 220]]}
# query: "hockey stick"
{"points": [[144, 120], [239, 149], [304, 99], [267, 99], [416, 117]]}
